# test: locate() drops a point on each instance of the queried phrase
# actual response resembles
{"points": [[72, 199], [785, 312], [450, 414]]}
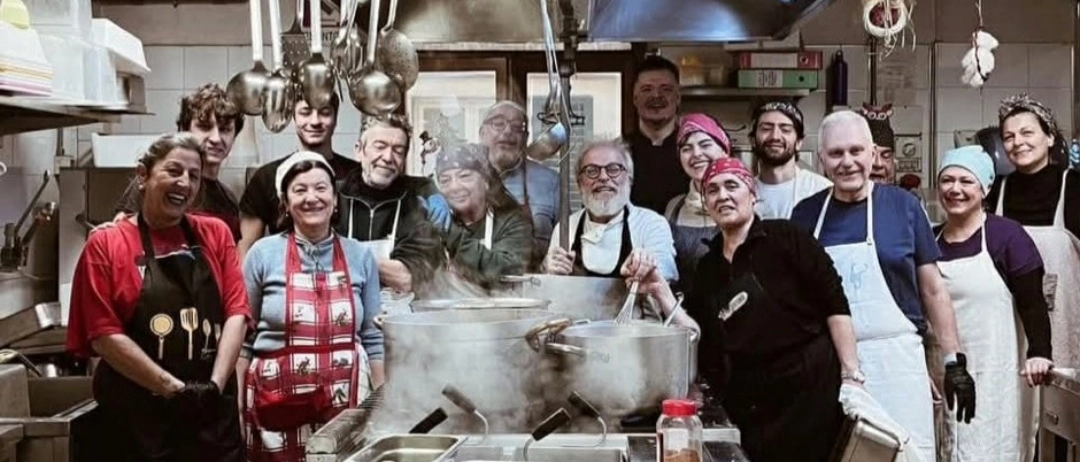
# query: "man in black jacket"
{"points": [[385, 209]]}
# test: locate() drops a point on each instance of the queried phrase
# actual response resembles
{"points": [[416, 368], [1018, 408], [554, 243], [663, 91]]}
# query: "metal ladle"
{"points": [[316, 78], [396, 54], [372, 91], [555, 136], [347, 51], [280, 93], [246, 88]]}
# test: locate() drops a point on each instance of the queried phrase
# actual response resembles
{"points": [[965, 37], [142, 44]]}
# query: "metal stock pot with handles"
{"points": [[621, 369]]}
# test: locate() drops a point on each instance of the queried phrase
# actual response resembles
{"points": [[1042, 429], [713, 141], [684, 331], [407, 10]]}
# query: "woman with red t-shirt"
{"points": [[160, 298]]}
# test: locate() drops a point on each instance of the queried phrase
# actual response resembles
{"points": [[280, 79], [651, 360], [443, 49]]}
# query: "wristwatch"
{"points": [[856, 376]]}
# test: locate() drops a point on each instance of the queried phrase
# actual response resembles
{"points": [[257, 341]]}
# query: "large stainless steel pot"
{"points": [[483, 353], [422, 306], [577, 297], [624, 369]]}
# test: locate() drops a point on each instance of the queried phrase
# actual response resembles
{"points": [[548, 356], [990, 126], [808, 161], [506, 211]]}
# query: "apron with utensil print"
{"points": [[1060, 252], [989, 332], [320, 371], [178, 312], [890, 349], [393, 301]]}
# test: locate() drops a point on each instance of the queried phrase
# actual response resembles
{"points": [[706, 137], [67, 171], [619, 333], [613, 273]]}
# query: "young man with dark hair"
{"points": [[653, 145], [259, 206], [210, 115]]}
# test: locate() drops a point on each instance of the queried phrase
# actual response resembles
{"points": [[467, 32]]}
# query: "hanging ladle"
{"points": [[316, 78], [246, 88], [372, 91], [347, 51], [279, 94], [396, 54], [556, 135]]}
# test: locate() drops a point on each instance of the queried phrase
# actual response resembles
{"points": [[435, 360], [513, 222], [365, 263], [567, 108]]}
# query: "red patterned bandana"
{"points": [[733, 166], [693, 123]]}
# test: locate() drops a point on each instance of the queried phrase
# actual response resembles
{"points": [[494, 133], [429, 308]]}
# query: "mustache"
{"points": [[656, 100]]}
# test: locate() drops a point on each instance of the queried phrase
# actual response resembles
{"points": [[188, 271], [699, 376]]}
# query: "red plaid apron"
{"points": [[320, 350]]}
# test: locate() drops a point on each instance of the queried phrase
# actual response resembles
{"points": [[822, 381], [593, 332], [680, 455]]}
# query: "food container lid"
{"points": [[679, 407]]}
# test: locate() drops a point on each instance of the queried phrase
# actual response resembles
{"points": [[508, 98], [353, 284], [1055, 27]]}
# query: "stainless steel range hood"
{"points": [[518, 21]]}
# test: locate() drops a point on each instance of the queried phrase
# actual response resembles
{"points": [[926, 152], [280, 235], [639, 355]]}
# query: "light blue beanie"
{"points": [[973, 159]]}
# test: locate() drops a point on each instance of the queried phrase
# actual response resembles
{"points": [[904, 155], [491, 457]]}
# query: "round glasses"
{"points": [[500, 124], [592, 172]]}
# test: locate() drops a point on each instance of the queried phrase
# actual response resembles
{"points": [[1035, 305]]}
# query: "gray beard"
{"points": [[601, 208]]}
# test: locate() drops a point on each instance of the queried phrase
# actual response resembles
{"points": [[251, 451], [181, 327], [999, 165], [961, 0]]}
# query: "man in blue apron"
{"points": [[383, 208], [884, 249], [609, 230]]}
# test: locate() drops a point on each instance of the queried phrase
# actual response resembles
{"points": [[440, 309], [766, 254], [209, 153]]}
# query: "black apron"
{"points": [[784, 401], [149, 427], [624, 249]]}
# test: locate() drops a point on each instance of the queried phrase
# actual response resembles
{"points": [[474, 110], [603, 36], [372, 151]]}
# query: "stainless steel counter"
{"points": [[1060, 417]]}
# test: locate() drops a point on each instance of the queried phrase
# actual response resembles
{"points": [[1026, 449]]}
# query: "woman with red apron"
{"points": [[307, 363], [159, 296]]}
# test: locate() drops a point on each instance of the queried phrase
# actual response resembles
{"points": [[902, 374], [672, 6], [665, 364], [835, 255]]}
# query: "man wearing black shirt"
{"points": [[653, 145], [259, 206], [209, 114]]}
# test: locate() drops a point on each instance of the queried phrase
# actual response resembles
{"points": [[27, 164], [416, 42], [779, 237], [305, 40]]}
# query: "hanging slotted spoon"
{"points": [[279, 96], [396, 54]]}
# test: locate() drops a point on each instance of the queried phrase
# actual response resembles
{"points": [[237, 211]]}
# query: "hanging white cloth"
{"points": [[889, 347]]}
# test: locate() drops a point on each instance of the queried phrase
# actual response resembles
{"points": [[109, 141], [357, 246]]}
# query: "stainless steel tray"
{"points": [[409, 448], [29, 321]]}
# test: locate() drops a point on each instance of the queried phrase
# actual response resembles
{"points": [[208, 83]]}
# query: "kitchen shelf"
{"points": [[26, 114], [741, 94]]}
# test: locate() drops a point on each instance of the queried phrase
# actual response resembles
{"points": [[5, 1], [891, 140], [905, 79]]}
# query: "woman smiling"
{"points": [[490, 234], [313, 295]]}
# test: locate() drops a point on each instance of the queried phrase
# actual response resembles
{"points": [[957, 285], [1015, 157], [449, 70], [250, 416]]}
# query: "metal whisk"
{"points": [[626, 314]]}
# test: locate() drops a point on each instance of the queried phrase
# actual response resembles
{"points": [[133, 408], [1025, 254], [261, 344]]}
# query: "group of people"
{"points": [[211, 314], [808, 288]]}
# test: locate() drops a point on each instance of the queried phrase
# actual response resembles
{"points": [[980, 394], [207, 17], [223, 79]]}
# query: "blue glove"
{"points": [[438, 211]]}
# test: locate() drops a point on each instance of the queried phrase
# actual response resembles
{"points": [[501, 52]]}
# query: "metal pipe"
{"points": [[1075, 73], [871, 67], [933, 154]]}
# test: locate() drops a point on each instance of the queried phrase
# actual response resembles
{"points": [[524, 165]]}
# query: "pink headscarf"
{"points": [[733, 166], [698, 122]]}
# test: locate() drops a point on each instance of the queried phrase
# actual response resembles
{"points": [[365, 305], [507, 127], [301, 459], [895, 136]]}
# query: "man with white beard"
{"points": [[610, 232], [776, 135]]}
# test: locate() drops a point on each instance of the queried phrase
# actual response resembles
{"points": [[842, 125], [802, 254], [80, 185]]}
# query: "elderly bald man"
{"points": [[505, 132], [882, 245]]}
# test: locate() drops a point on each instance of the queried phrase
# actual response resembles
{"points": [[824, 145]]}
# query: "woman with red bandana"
{"points": [[701, 141], [776, 333]]}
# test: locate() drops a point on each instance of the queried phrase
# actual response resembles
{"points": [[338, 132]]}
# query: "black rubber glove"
{"points": [[197, 400], [960, 389]]}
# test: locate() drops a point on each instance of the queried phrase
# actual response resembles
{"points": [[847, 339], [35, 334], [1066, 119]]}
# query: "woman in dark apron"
{"points": [[701, 140], [776, 339], [160, 298]]}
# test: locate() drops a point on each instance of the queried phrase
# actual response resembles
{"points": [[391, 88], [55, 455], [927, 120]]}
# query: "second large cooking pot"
{"points": [[440, 304], [623, 369], [483, 353]]}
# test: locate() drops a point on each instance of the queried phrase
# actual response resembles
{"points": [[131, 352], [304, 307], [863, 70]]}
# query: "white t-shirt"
{"points": [[776, 201]]}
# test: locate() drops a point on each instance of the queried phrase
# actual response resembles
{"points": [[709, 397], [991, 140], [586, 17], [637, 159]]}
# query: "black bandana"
{"points": [[470, 156], [785, 108]]}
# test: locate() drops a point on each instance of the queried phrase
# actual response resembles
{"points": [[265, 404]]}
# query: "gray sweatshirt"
{"points": [[264, 276]]}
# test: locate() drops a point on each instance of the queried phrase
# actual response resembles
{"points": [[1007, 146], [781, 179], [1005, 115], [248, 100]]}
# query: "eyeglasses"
{"points": [[500, 124], [592, 172]]}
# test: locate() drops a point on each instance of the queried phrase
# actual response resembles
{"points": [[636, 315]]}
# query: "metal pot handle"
{"points": [[378, 320], [571, 350], [551, 327], [535, 281]]}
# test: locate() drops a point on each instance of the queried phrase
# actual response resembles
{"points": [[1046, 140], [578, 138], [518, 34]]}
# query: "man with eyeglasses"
{"points": [[610, 232], [654, 145], [536, 187]]}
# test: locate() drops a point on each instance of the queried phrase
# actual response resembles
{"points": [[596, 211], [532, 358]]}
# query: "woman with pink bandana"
{"points": [[776, 333], [701, 140]]}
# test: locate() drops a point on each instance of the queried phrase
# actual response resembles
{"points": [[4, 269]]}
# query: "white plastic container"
{"points": [[60, 17], [66, 55], [103, 88], [126, 49]]}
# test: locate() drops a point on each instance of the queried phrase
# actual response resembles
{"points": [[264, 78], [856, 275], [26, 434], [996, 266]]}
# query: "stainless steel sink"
{"points": [[56, 406], [557, 447]]}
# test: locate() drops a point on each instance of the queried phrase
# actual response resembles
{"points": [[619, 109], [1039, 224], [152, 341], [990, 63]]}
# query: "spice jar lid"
{"points": [[679, 407]]}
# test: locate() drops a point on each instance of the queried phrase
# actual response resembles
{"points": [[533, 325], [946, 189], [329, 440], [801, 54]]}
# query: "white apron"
{"points": [[992, 337], [452, 285], [1060, 252], [889, 346], [391, 301]]}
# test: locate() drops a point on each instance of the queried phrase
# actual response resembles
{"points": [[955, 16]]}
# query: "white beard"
{"points": [[606, 208]]}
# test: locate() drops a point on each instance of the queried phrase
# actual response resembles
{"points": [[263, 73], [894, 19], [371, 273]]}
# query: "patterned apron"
{"points": [[321, 360]]}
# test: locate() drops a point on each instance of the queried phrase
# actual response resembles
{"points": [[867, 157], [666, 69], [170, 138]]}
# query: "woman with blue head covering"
{"points": [[994, 274]]}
